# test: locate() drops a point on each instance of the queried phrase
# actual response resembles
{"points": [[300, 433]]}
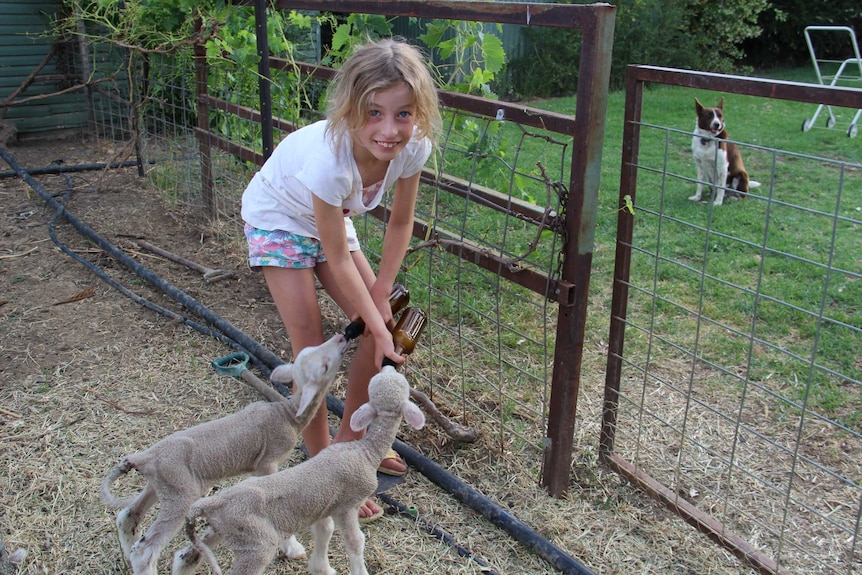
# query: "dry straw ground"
{"points": [[84, 382]]}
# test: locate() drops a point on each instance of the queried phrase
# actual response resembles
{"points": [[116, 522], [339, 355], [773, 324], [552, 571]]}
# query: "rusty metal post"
{"points": [[622, 259], [581, 206], [264, 80], [204, 147]]}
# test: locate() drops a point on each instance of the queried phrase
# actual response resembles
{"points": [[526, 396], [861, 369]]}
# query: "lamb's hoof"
{"points": [[142, 560], [292, 549], [128, 530], [186, 561], [322, 570], [694, 198], [15, 559]]}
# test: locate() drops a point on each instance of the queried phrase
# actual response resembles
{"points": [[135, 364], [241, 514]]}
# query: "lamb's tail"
{"points": [[111, 500], [198, 543]]}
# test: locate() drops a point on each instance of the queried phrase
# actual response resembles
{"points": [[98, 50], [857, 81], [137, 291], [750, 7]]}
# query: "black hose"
{"points": [[120, 287], [491, 511], [437, 532], [435, 473], [62, 169]]}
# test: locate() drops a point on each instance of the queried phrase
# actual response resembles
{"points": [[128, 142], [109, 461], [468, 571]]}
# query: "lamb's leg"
{"points": [[145, 552], [292, 548], [187, 559], [129, 519], [252, 559], [322, 531], [354, 542]]}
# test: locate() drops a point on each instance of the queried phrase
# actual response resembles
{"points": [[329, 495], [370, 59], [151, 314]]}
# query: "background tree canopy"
{"points": [[732, 36]]}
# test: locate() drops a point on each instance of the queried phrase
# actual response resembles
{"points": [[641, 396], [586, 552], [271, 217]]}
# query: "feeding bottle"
{"points": [[398, 300], [407, 332]]}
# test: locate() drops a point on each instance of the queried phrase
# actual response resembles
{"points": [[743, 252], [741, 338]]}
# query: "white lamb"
{"points": [[322, 493], [183, 466]]}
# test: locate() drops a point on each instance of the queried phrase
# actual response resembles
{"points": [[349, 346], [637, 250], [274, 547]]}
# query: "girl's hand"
{"points": [[383, 348], [381, 300]]}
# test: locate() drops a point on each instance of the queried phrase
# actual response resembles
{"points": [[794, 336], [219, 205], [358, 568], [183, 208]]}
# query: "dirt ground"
{"points": [[89, 374]]}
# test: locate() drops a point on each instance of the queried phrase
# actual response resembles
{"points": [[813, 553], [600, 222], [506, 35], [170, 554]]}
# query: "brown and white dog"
{"points": [[719, 163]]}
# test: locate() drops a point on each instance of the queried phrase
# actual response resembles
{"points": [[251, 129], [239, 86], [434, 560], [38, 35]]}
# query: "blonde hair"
{"points": [[377, 66]]}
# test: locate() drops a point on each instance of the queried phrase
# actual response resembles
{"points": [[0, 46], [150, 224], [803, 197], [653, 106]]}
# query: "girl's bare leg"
{"points": [[295, 297], [362, 367]]}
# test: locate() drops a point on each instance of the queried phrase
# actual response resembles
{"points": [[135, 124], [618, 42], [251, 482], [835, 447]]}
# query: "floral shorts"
{"points": [[281, 249]]}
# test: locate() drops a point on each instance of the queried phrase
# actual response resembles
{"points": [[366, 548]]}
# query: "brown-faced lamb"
{"points": [[321, 493], [183, 466]]}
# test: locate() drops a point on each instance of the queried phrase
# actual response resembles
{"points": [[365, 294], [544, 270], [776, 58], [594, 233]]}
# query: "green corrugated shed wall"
{"points": [[24, 25]]}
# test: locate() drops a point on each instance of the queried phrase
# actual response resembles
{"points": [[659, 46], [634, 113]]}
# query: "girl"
{"points": [[382, 121]]}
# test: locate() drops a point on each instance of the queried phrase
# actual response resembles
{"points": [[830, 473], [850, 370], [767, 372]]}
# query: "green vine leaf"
{"points": [[493, 53], [629, 205]]}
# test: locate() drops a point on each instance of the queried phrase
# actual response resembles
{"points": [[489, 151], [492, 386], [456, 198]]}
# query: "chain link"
{"points": [[561, 228]]}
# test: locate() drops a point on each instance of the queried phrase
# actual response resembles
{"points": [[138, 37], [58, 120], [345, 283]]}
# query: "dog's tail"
{"points": [[753, 184], [111, 500]]}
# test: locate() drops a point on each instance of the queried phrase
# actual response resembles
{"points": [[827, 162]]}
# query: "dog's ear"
{"points": [[698, 106], [721, 104]]}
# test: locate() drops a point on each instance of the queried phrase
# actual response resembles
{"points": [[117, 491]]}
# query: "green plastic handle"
{"points": [[233, 364]]}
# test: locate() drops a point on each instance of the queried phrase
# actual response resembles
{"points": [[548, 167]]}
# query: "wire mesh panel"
{"points": [[737, 396]]}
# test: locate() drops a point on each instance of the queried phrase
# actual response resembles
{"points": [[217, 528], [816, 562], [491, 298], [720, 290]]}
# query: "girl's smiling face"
{"points": [[388, 125]]}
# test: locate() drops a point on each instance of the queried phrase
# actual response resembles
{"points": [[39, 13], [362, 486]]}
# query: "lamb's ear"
{"points": [[282, 373], [413, 415], [362, 417], [306, 396], [17, 557]]}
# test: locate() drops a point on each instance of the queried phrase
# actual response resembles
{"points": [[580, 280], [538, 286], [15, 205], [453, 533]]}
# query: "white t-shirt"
{"points": [[279, 196]]}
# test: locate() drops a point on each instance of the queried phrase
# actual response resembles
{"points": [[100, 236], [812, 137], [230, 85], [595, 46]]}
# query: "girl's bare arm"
{"points": [[399, 230], [330, 226]]}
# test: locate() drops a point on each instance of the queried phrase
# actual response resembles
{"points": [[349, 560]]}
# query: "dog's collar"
{"points": [[705, 140]]}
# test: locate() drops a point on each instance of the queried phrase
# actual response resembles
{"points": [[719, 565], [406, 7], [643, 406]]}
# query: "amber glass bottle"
{"points": [[398, 300], [407, 332]]}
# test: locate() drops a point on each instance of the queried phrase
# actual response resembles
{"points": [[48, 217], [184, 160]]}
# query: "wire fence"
{"points": [[734, 392]]}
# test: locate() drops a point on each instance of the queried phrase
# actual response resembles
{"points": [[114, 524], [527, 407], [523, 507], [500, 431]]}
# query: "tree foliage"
{"points": [[690, 34], [475, 56], [782, 42], [152, 39]]}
